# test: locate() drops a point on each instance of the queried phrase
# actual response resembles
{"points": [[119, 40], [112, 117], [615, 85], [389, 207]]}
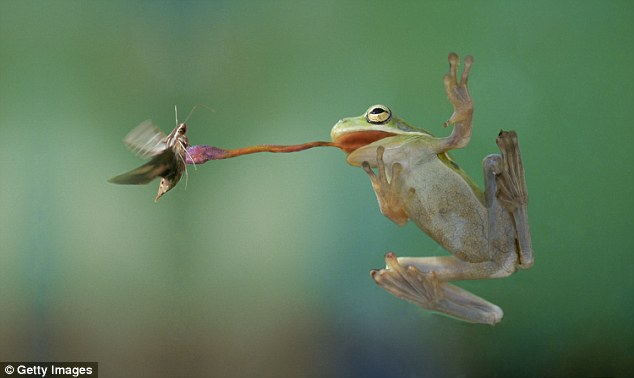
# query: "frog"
{"points": [[485, 231]]}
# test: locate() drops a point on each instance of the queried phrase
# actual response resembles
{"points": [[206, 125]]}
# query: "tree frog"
{"points": [[486, 232]]}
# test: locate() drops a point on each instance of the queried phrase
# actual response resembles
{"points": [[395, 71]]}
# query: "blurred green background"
{"points": [[260, 265]]}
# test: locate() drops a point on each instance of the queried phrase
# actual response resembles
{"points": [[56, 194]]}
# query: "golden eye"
{"points": [[378, 114], [182, 129]]}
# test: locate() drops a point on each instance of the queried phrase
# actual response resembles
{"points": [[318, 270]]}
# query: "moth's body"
{"points": [[167, 153]]}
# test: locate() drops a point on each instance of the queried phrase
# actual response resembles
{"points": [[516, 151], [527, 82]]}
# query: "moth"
{"points": [[167, 153]]}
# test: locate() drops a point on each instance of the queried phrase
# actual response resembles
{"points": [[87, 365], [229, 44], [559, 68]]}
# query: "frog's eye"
{"points": [[378, 114]]}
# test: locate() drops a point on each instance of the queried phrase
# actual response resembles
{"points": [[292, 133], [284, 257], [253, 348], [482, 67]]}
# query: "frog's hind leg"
{"points": [[504, 181], [428, 291]]}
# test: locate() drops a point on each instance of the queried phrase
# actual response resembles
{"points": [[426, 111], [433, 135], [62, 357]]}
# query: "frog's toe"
{"points": [[427, 291], [366, 167], [468, 61], [454, 62]]}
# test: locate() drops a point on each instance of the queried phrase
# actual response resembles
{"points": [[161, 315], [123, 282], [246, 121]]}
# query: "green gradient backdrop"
{"points": [[260, 266]]}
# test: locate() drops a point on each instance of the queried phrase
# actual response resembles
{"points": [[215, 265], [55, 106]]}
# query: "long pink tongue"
{"points": [[202, 154]]}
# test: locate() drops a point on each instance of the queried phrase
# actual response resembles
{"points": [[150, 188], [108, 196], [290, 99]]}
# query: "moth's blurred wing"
{"points": [[146, 140], [158, 166]]}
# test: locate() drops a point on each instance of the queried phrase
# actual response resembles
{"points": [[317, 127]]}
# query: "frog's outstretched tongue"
{"points": [[202, 154]]}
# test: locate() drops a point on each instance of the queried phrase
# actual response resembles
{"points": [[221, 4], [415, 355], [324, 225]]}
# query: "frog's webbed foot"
{"points": [[458, 94], [510, 182], [387, 192], [427, 291], [511, 192]]}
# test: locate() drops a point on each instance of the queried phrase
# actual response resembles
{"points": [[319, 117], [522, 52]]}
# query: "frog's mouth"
{"points": [[351, 141]]}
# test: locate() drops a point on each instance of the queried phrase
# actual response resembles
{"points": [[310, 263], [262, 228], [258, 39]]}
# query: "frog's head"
{"points": [[354, 134]]}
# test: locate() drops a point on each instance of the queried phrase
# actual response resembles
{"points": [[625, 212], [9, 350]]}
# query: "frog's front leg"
{"points": [[427, 290], [458, 94], [388, 192]]}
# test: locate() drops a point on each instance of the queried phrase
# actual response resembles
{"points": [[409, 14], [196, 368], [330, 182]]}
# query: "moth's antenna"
{"points": [[195, 107], [176, 114]]}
